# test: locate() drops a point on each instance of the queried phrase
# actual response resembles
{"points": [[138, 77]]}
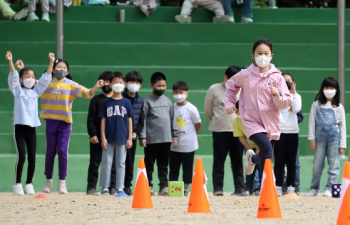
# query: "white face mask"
{"points": [[179, 98], [329, 93], [262, 61], [118, 87], [133, 88], [29, 82]]}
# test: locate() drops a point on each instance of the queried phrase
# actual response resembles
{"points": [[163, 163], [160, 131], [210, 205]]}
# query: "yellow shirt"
{"points": [[238, 131]]}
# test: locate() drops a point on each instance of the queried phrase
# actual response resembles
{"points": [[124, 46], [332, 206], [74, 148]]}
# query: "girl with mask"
{"points": [[327, 134], [26, 94], [263, 93], [56, 109]]}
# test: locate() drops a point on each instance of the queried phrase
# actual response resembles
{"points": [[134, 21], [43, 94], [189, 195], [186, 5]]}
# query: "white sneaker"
{"points": [[20, 14], [29, 189], [248, 165], [231, 20], [311, 193], [279, 191], [290, 190], [62, 189], [17, 189], [45, 17], [246, 20], [48, 186], [327, 193], [220, 19], [32, 17]]}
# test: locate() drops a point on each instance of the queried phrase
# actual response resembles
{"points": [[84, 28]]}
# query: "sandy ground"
{"points": [[78, 208]]}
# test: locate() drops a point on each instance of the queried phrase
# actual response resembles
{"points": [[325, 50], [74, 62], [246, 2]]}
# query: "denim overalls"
{"points": [[327, 141]]}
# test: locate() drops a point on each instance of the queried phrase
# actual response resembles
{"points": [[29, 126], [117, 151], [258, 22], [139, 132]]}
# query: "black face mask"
{"points": [[106, 88], [288, 85], [60, 74], [158, 92]]}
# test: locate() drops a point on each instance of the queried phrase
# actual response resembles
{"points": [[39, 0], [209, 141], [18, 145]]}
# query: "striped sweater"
{"points": [[56, 102]]}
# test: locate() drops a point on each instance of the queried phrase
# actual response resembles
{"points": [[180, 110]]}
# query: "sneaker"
{"points": [[297, 191], [151, 190], [121, 193], [257, 193], [128, 191], [248, 165], [182, 19], [163, 191], [185, 192], [105, 191], [218, 193], [20, 14], [231, 20], [279, 191], [29, 189], [17, 189], [45, 17], [245, 193], [48, 186], [238, 192], [246, 20], [32, 17], [112, 191], [327, 193], [290, 190], [220, 19], [92, 191], [311, 193], [62, 189]]}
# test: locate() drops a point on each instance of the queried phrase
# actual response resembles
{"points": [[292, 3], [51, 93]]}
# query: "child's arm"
{"points": [[208, 104], [8, 56], [296, 103], [281, 95], [45, 79], [104, 143], [19, 64], [141, 123], [198, 127], [233, 85], [129, 141], [196, 118], [312, 126], [174, 127], [13, 79], [342, 127], [244, 142], [91, 120], [99, 84], [142, 136]]}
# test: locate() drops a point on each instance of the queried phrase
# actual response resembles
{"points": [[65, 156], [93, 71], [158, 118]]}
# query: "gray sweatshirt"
{"points": [[159, 123]]}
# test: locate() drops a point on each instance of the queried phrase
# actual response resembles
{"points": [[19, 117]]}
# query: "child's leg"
{"points": [[297, 171], [63, 137], [174, 165], [150, 157], [292, 149], [31, 151], [162, 163], [187, 167], [129, 165], [236, 153], [106, 165], [6, 10], [280, 152], [318, 166], [32, 6], [214, 6], [51, 146], [247, 8], [95, 161], [187, 7], [333, 162], [261, 140], [119, 157], [220, 150], [227, 5], [45, 6], [19, 139]]}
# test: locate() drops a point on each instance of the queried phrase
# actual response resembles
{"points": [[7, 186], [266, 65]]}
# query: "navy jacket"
{"points": [[137, 104]]}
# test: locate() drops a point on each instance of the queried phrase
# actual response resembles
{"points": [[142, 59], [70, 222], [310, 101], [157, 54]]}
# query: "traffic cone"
{"points": [[142, 196], [269, 206], [199, 200], [344, 210], [42, 196]]}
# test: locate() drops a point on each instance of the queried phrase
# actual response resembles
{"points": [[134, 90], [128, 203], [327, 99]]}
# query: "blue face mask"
{"points": [[60, 74], [158, 92]]}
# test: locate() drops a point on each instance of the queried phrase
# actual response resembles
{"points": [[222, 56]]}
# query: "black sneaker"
{"points": [[185, 192], [92, 191], [112, 191], [218, 193], [128, 191], [151, 190], [238, 192], [163, 191]]}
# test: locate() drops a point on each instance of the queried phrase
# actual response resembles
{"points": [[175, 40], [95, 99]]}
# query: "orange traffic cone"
{"points": [[199, 200], [142, 196], [269, 206], [344, 210]]}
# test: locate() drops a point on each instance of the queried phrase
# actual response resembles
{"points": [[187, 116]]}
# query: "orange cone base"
{"points": [[42, 196], [291, 196], [142, 195]]}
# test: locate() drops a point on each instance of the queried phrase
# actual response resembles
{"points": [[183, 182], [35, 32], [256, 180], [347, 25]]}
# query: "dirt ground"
{"points": [[78, 208]]}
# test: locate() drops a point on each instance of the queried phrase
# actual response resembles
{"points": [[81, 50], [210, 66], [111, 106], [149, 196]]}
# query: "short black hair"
{"points": [[288, 75], [157, 76], [180, 85], [116, 74], [232, 70], [60, 60], [237, 104], [329, 82], [262, 41], [134, 76], [24, 70], [105, 75]]}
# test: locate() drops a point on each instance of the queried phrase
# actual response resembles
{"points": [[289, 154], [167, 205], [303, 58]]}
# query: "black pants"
{"points": [[285, 151], [265, 149], [129, 165], [184, 158], [159, 152], [95, 161], [224, 143], [25, 136]]}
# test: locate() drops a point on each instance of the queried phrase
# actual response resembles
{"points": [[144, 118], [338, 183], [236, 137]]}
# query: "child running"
{"points": [[327, 134], [264, 92], [26, 94]]}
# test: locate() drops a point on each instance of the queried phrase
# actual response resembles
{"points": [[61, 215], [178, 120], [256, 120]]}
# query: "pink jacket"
{"points": [[259, 110]]}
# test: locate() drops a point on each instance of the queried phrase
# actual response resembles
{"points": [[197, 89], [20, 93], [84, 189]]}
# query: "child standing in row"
{"points": [[56, 109], [159, 132], [116, 134], [26, 95], [327, 134], [189, 123]]}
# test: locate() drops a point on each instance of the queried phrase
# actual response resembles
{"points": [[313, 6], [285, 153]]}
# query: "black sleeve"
{"points": [[141, 122], [300, 116], [91, 119]]}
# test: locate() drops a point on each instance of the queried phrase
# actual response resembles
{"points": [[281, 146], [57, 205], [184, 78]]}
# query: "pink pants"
{"points": [[44, 6], [211, 5]]}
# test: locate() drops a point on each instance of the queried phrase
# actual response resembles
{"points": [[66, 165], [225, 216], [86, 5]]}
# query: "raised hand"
{"points": [[19, 64], [8, 56], [51, 57], [99, 84]]}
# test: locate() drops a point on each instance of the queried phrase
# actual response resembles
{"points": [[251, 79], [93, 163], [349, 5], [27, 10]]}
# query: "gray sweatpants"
{"points": [[211, 5], [118, 151]]}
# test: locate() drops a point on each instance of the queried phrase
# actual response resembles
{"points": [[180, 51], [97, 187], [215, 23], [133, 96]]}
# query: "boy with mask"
{"points": [[134, 83], [94, 130], [189, 123], [160, 131]]}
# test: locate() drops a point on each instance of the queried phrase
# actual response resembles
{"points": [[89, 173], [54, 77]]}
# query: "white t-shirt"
{"points": [[186, 116]]}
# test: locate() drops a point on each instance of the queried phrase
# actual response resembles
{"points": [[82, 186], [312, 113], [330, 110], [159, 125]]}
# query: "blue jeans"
{"points": [[247, 7], [297, 171]]}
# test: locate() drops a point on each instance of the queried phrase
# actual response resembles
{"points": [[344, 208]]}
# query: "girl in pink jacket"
{"points": [[264, 92]]}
